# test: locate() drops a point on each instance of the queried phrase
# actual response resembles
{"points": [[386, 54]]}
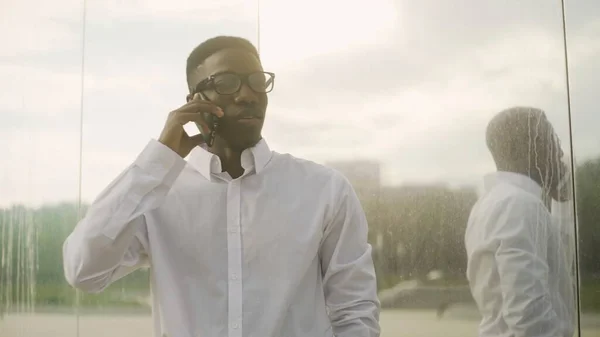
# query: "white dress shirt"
{"points": [[518, 264], [279, 252]]}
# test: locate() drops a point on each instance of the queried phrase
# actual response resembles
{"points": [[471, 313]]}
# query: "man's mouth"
{"points": [[250, 120], [250, 116]]}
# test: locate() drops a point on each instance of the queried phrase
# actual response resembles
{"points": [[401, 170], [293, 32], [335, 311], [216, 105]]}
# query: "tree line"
{"points": [[416, 232]]}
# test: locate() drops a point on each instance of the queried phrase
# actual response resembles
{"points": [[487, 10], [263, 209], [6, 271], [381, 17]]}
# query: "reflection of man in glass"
{"points": [[241, 240], [518, 269]]}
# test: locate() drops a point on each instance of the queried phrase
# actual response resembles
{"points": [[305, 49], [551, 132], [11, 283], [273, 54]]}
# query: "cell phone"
{"points": [[213, 124]]}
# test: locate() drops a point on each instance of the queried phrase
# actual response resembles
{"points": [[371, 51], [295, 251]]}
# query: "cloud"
{"points": [[132, 50], [29, 27], [584, 52], [341, 111], [174, 12], [292, 32], [409, 84], [39, 166]]}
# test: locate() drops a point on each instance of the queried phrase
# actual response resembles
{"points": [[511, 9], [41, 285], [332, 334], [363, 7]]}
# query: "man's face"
{"points": [[244, 109], [549, 155]]}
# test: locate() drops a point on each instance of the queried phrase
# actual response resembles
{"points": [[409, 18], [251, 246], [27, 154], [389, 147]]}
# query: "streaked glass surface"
{"points": [[40, 114], [583, 36], [397, 95]]}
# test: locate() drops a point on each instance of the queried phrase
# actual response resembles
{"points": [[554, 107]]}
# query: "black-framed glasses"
{"points": [[230, 83]]}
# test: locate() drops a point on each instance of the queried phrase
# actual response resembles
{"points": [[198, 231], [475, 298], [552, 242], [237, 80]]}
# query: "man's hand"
{"points": [[174, 136]]}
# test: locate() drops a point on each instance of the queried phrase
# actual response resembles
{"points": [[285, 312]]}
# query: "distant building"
{"points": [[364, 175], [361, 173]]}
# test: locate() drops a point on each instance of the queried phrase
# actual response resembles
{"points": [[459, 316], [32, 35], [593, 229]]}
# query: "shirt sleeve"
{"points": [[111, 240], [523, 232], [349, 278]]}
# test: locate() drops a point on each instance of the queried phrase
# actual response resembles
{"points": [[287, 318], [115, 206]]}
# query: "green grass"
{"points": [[62, 295]]}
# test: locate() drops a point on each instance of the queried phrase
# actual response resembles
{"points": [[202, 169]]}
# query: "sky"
{"points": [[410, 84]]}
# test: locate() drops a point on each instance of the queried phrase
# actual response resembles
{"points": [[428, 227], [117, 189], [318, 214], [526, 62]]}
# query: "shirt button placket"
{"points": [[234, 252]]}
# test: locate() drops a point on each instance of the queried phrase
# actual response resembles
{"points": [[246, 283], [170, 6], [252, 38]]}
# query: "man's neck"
{"points": [[533, 175], [231, 161], [230, 156]]}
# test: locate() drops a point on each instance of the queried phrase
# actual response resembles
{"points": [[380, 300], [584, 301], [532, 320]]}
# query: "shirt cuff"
{"points": [[159, 161]]}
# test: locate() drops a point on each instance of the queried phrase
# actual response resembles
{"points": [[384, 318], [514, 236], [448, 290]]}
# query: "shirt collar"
{"points": [[253, 158], [519, 180]]}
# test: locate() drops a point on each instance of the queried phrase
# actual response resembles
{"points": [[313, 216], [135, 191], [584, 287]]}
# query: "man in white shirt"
{"points": [[241, 240], [518, 264]]}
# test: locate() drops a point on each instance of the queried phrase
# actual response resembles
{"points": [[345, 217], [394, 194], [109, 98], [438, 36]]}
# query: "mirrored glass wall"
{"points": [[417, 104], [398, 96], [40, 116], [582, 22]]}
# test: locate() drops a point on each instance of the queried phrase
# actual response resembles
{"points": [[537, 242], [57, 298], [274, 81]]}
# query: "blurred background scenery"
{"points": [[394, 94]]}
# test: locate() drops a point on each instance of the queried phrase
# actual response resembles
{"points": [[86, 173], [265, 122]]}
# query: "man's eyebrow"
{"points": [[197, 70]]}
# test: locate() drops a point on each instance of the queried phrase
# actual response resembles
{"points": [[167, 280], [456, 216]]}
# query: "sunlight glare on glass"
{"points": [[322, 27]]}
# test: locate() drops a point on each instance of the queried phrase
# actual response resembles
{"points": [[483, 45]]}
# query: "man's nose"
{"points": [[246, 95]]}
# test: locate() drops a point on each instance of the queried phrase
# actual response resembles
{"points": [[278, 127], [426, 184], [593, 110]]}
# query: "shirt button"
{"points": [[234, 277], [235, 325]]}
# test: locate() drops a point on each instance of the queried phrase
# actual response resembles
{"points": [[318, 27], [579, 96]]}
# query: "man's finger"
{"points": [[197, 139], [201, 106], [183, 118]]}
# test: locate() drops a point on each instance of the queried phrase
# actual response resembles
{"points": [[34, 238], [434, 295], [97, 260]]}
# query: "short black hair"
{"points": [[214, 45]]}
